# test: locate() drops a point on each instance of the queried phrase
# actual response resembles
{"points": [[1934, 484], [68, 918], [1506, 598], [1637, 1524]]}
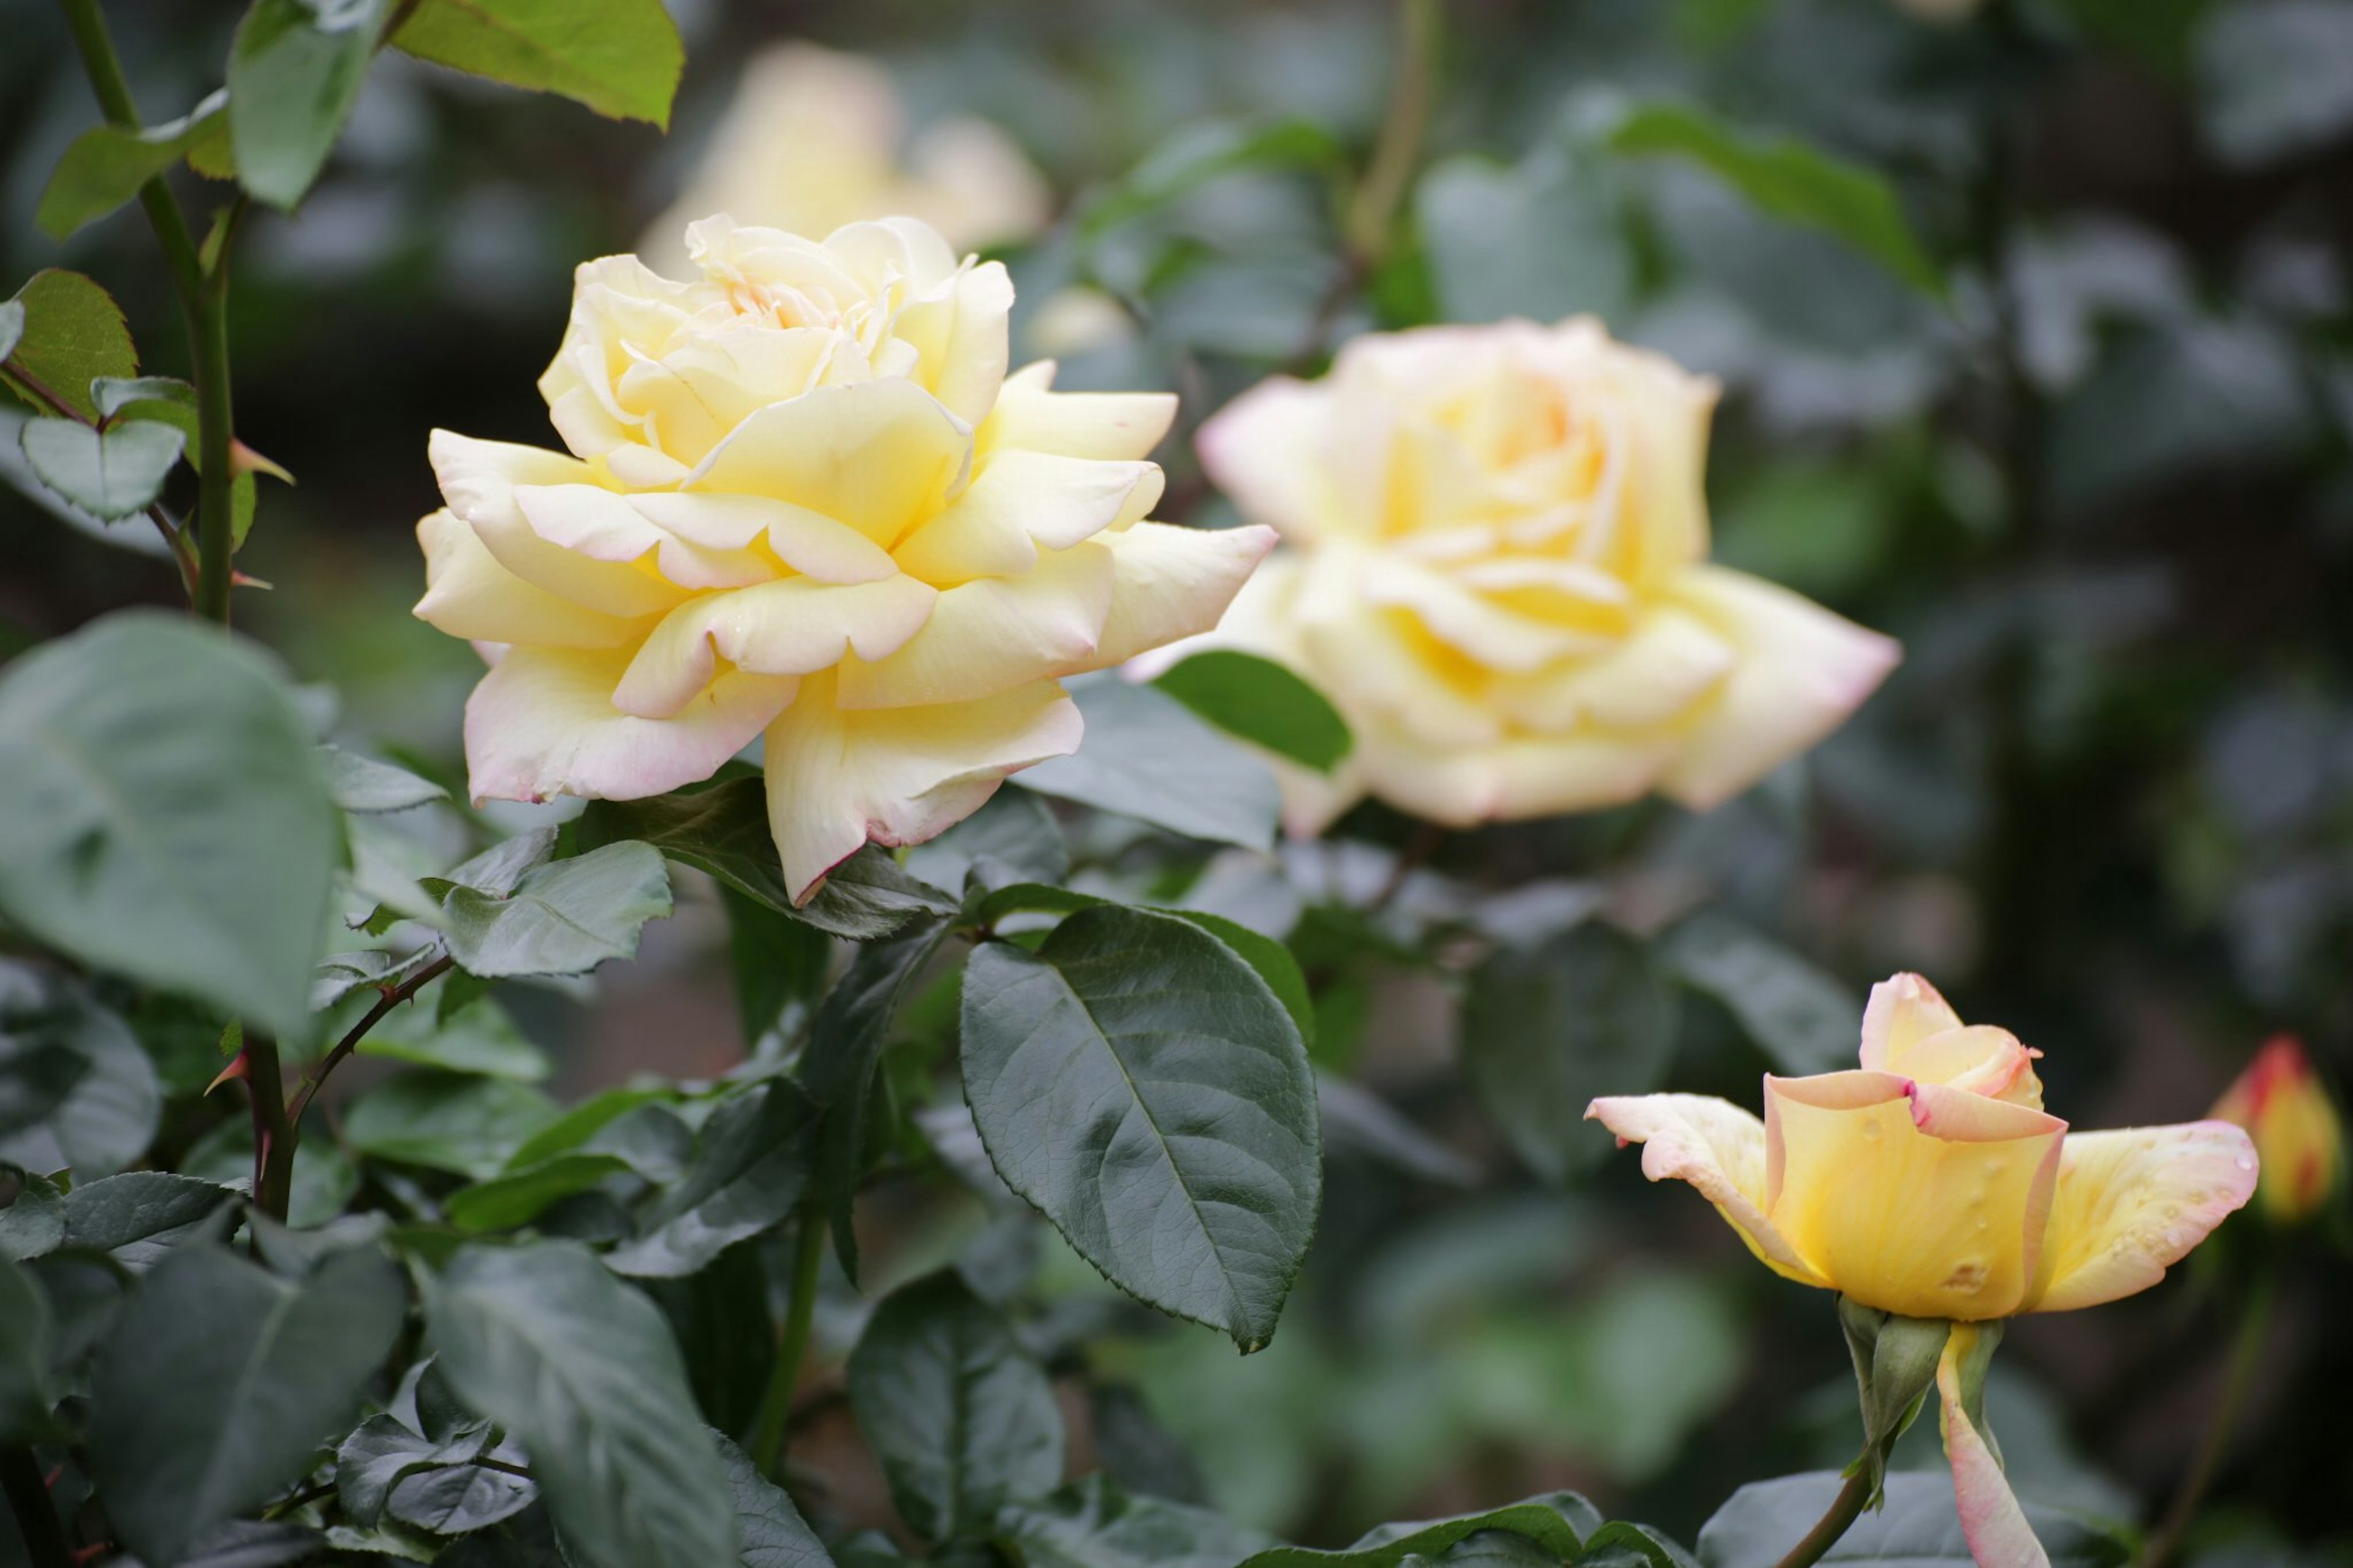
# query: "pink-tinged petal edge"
{"points": [[1683, 1138], [1991, 1520]]}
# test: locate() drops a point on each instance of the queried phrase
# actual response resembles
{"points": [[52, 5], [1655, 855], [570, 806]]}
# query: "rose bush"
{"points": [[1495, 563], [803, 502]]}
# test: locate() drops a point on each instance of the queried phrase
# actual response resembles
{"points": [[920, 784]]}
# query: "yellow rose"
{"points": [[814, 140], [804, 498], [1932, 1184], [1496, 566], [2281, 1102]]}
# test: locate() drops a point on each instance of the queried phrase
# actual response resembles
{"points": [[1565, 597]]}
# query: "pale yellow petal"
{"points": [[1670, 663], [880, 456], [1903, 1010], [807, 541], [1018, 502], [1716, 1147], [794, 626], [993, 633], [1076, 424], [2132, 1203], [479, 479], [1264, 450], [1172, 582], [468, 594]]}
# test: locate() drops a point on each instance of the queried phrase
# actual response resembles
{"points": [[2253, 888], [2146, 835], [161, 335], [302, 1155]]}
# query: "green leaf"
{"points": [[1093, 1523], [1918, 1528], [1273, 961], [2271, 79], [1205, 151], [1558, 1523], [72, 334], [770, 1530], [566, 917], [1012, 838], [12, 326], [446, 1122], [382, 1452], [1265, 704], [1147, 756], [507, 1201], [1618, 1544], [363, 784], [845, 1049], [166, 819], [582, 1371], [164, 398], [750, 1166], [26, 1398], [1792, 181], [34, 1220], [780, 968], [620, 57], [219, 1380], [324, 1176], [295, 72], [478, 1038], [106, 166], [960, 1417], [141, 1217], [723, 830], [252, 1543], [1355, 1119], [1800, 1016], [578, 1125], [105, 1118], [1142, 1087], [341, 974], [457, 1499], [1546, 1029], [108, 473], [1544, 239]]}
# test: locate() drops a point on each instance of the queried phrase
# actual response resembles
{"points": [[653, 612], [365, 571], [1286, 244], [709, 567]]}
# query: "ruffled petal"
{"points": [[1802, 671], [1264, 450], [1076, 424], [603, 525], [479, 479], [961, 338], [1991, 1520], [809, 542], [993, 633], [542, 723], [1903, 1010], [1912, 1198], [2132, 1203], [897, 775], [1716, 1147], [1171, 582], [468, 594], [794, 626], [1019, 503], [1503, 778], [880, 456], [1669, 663]]}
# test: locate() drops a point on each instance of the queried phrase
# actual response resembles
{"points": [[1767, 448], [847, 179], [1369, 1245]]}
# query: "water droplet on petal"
{"points": [[2245, 1162]]}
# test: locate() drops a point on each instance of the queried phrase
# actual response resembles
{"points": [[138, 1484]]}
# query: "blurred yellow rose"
{"points": [[1495, 565], [2282, 1103], [815, 138], [804, 499], [1932, 1184]]}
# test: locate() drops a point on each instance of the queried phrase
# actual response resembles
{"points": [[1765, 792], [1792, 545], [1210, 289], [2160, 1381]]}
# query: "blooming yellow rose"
{"points": [[803, 499], [2281, 1104], [1496, 567], [1932, 1184], [814, 140]]}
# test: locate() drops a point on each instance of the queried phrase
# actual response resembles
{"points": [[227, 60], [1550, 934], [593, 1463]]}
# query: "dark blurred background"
{"points": [[2104, 496]]}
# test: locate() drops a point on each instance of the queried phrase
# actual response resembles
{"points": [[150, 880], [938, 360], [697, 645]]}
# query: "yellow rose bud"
{"points": [[815, 138], [804, 504], [1932, 1184], [1496, 566], [2279, 1101]]}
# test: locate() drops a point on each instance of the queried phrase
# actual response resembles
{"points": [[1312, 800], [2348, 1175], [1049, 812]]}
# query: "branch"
{"points": [[394, 997]]}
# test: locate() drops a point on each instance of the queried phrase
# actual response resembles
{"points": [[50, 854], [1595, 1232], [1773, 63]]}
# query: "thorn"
{"points": [[238, 579], [244, 460], [237, 1068]]}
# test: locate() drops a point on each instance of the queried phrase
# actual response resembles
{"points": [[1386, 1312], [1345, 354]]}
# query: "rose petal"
{"points": [[1903, 1010], [1076, 424], [468, 594], [2131, 1203], [993, 633], [1019, 503], [1264, 450], [794, 626], [479, 480], [1991, 1520], [1172, 582], [880, 456], [1716, 1147]]}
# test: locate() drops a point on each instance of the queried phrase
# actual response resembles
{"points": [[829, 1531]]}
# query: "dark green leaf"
{"points": [[219, 1380], [1800, 1018], [582, 1371], [620, 57], [1262, 702], [2272, 79], [1093, 1523], [166, 818], [1558, 1522], [457, 1499], [1790, 180], [105, 1118], [1542, 239], [780, 964], [961, 1419], [340, 974], [1013, 838], [1546, 1029], [26, 1398], [771, 1531], [108, 474], [1272, 961], [507, 1201], [577, 1126], [1618, 1544], [446, 1122], [478, 1038], [381, 1452], [1918, 1528], [362, 783], [295, 72], [140, 1216], [252, 1543], [34, 1220], [845, 1050], [1354, 1118], [1147, 756], [564, 917], [751, 1165], [106, 166], [1143, 1088], [723, 830], [73, 334], [324, 1176]]}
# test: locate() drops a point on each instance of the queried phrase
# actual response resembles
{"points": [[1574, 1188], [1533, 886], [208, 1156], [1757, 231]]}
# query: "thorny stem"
{"points": [[203, 302], [36, 1515], [273, 1130], [393, 997], [1844, 1510], [792, 1346], [2246, 1354], [172, 537]]}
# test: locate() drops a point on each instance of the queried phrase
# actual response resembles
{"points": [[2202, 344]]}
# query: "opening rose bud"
{"points": [[2282, 1103], [1495, 564], [804, 504], [1931, 1184]]}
